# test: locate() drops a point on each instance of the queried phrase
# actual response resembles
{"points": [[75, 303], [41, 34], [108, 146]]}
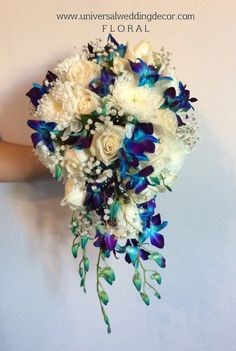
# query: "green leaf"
{"points": [[114, 209], [156, 276], [104, 110], [86, 264], [168, 187], [137, 281], [84, 119], [106, 319], [145, 298], [84, 240], [81, 272], [103, 297], [165, 185], [58, 172], [82, 282], [158, 258], [74, 249], [157, 295], [155, 180], [108, 274]]}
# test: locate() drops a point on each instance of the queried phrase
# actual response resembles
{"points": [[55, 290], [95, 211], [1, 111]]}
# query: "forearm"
{"points": [[18, 163]]}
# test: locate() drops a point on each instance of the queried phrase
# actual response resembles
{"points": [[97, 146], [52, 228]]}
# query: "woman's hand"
{"points": [[18, 163]]}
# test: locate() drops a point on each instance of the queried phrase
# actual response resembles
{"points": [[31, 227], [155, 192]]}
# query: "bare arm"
{"points": [[18, 163]]}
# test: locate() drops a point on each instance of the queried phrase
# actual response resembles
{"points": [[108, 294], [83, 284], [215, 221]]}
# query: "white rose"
{"points": [[74, 195], [145, 52], [166, 119], [128, 221], [120, 65], [106, 143], [87, 101], [82, 72], [73, 159]]}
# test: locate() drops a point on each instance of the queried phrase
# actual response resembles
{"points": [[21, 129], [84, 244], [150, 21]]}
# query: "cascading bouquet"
{"points": [[114, 125]]}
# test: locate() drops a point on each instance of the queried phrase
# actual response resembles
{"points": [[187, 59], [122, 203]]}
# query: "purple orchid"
{"points": [[135, 148], [153, 230], [43, 130], [36, 93], [148, 74], [105, 241], [146, 212], [101, 85], [139, 181], [178, 102], [110, 54], [120, 48]]}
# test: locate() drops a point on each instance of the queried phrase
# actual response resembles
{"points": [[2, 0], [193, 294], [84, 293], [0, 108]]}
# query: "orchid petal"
{"points": [[110, 242], [36, 138], [157, 240]]}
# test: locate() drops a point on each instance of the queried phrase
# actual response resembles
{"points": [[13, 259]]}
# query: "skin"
{"points": [[18, 163]]}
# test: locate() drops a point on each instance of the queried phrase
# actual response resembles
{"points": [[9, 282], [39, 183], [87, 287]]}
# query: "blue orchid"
{"points": [[152, 231], [132, 250], [101, 85], [134, 148], [105, 241], [36, 93], [120, 48], [141, 141], [110, 54], [132, 253], [176, 102], [152, 224], [83, 142], [97, 198], [43, 130], [93, 199], [146, 212], [123, 159], [148, 74], [139, 181]]}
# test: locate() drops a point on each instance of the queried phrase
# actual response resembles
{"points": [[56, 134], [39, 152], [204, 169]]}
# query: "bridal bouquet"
{"points": [[115, 125]]}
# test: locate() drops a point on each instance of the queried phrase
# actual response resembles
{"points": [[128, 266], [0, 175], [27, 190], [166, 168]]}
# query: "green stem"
{"points": [[145, 281], [150, 270], [144, 275], [99, 284], [85, 272], [152, 287]]}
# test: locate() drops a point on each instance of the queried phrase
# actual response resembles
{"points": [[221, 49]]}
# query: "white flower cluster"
{"points": [[103, 120], [141, 102]]}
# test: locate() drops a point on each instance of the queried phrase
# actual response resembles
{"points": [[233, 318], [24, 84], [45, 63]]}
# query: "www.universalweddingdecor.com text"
{"points": [[142, 20]]}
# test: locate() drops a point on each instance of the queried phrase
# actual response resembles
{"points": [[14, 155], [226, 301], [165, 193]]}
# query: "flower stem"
{"points": [[105, 317], [145, 281]]}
